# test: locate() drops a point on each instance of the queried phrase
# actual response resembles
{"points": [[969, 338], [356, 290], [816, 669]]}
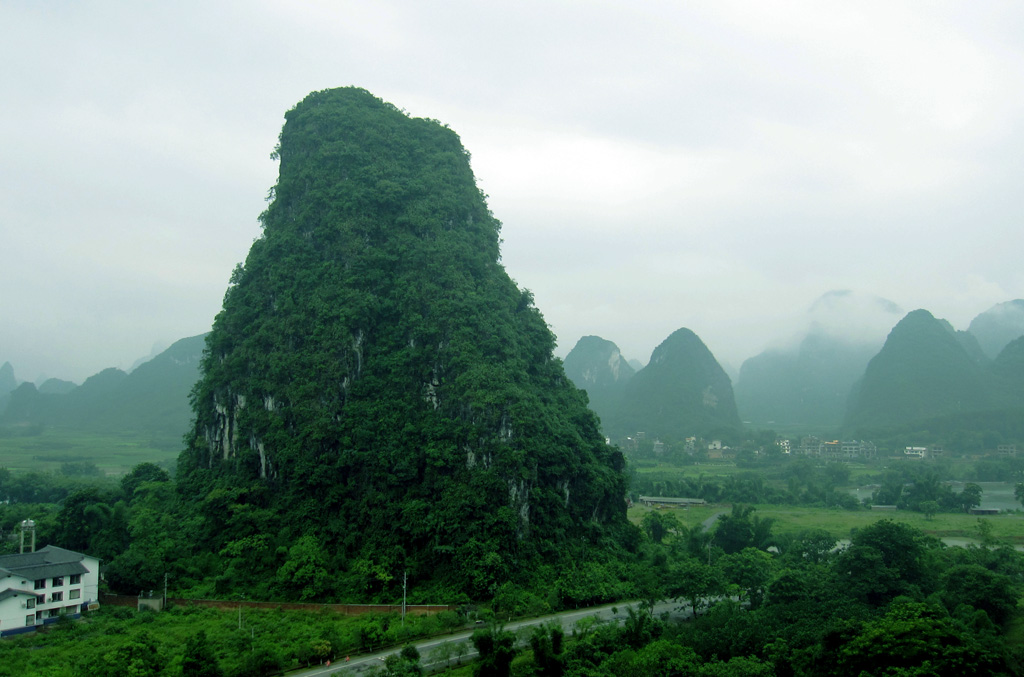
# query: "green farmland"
{"points": [[49, 449]]}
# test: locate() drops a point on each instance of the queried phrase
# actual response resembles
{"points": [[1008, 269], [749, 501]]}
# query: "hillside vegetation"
{"points": [[377, 387]]}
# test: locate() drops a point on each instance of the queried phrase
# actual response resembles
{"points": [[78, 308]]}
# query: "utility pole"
{"points": [[165, 591], [405, 579]]}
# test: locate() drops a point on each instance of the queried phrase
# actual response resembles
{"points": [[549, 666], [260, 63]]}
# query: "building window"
{"points": [[30, 619], [73, 609], [75, 594], [30, 603], [76, 579], [58, 581], [57, 597], [55, 612], [40, 584]]}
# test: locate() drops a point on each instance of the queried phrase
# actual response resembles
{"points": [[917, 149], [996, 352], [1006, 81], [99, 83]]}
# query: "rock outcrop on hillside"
{"points": [[596, 366]]}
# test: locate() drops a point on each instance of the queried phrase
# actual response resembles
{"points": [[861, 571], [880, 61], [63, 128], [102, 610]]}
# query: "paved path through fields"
{"points": [[461, 649]]}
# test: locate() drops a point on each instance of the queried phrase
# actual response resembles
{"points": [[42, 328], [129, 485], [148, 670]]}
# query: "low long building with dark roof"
{"points": [[39, 587]]}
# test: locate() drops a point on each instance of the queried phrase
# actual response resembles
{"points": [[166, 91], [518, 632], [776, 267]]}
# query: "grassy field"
{"points": [[860, 473], [1006, 527], [113, 454]]}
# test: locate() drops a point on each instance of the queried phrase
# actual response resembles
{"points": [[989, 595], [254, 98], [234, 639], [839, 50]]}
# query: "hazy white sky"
{"points": [[656, 165]]}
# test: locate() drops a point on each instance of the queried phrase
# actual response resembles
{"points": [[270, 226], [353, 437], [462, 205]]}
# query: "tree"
{"points": [[260, 659], [658, 525], [901, 548], [546, 643], [929, 508], [640, 627], [660, 657], [742, 529], [864, 575], [749, 570], [734, 532], [985, 534], [970, 497], [136, 655], [444, 651], [980, 588], [737, 666], [89, 522], [199, 660], [694, 582], [405, 663], [914, 639], [140, 474], [1018, 492], [508, 599], [304, 573], [813, 545], [496, 648]]}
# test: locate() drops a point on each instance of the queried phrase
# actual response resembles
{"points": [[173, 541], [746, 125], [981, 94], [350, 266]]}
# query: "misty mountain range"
{"points": [[841, 372], [152, 399]]}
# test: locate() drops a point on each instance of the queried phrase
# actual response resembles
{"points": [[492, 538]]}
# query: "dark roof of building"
{"points": [[43, 563], [11, 592]]}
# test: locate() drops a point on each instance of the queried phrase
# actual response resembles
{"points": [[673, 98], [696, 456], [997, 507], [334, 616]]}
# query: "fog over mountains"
{"points": [[856, 363], [153, 398], [815, 379]]}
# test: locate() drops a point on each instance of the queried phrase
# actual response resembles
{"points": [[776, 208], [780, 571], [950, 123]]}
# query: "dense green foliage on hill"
{"points": [[377, 383]]}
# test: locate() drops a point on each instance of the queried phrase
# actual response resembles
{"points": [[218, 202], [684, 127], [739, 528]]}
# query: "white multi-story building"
{"points": [[39, 587], [837, 450]]}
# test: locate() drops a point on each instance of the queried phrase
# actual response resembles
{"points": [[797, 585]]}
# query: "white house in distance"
{"points": [[39, 587]]}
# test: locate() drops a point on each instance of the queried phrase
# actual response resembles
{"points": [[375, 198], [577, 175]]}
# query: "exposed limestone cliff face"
{"points": [[596, 365]]}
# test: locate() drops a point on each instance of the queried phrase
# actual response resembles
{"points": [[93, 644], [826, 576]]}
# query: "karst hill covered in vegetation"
{"points": [[682, 391], [596, 365], [929, 375], [924, 369], [378, 396]]}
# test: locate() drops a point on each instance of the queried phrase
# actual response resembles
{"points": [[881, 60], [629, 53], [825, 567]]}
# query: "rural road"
{"points": [[462, 649], [710, 522]]}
